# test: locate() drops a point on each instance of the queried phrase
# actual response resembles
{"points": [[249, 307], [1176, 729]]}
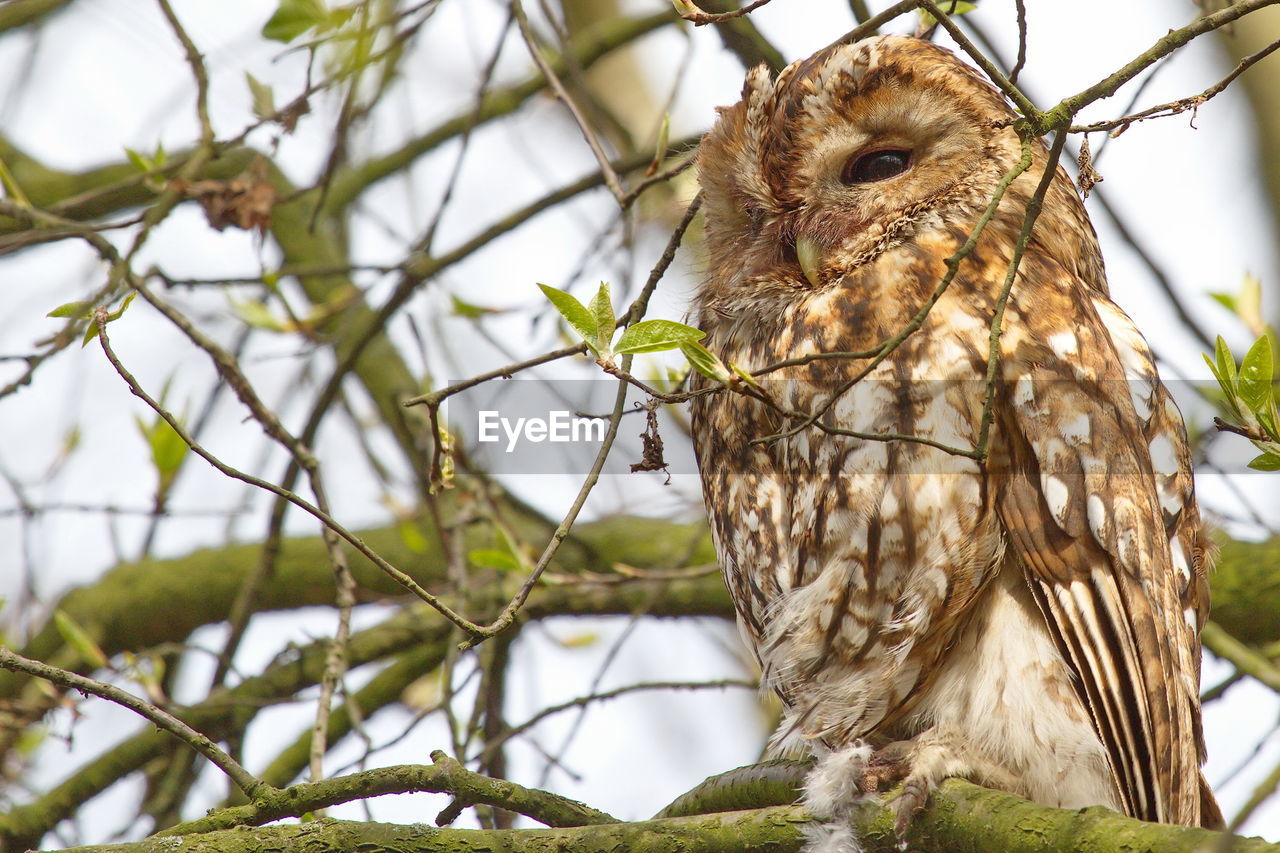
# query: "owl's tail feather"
{"points": [[1210, 813]]}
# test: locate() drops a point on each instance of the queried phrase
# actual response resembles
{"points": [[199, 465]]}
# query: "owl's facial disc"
{"points": [[863, 167]]}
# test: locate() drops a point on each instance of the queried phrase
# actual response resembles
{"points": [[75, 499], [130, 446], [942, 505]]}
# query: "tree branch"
{"points": [[960, 817]]}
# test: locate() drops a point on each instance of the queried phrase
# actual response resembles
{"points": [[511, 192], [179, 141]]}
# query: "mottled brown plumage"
{"points": [[1030, 621]]}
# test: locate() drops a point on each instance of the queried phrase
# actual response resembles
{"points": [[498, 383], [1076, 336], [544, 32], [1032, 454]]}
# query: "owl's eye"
{"points": [[876, 166]]}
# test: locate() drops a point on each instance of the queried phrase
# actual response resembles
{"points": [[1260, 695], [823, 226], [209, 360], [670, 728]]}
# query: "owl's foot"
{"points": [[921, 764]]}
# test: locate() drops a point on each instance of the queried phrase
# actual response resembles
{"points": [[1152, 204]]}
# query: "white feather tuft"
{"points": [[831, 788], [834, 837]]}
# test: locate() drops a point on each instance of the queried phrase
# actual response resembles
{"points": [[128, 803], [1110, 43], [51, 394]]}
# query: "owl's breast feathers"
{"points": [[853, 560]]}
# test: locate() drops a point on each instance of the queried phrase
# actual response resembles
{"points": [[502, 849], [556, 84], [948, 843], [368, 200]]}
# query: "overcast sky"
{"points": [[108, 74]]}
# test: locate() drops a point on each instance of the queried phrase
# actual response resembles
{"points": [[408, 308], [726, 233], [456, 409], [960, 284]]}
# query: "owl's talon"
{"points": [[908, 804]]}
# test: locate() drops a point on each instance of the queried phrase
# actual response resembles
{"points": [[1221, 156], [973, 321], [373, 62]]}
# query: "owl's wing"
{"points": [[1098, 506]]}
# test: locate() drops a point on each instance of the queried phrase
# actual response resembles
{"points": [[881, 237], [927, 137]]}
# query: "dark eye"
{"points": [[876, 166]]}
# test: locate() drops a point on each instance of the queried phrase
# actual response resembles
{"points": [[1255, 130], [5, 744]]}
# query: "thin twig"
{"points": [[641, 303], [243, 779], [1033, 207], [695, 15], [1015, 94], [325, 519], [606, 168], [464, 144], [871, 25], [435, 398], [509, 612], [198, 71], [1070, 106], [582, 701], [1022, 41], [1192, 102]]}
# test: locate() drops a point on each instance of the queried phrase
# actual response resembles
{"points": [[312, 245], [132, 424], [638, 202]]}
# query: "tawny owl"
{"points": [[1029, 620]]}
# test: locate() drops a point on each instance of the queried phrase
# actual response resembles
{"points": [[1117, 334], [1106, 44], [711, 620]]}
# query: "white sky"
{"points": [[108, 75]]}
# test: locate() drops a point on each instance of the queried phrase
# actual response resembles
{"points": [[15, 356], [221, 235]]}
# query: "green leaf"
{"points": [[78, 310], [91, 331], [575, 314], [168, 450], [1266, 462], [264, 99], [579, 641], [469, 310], [257, 315], [1226, 300], [1255, 374], [950, 8], [411, 536], [1267, 419], [292, 18], [601, 309], [657, 335], [1249, 303], [142, 164], [704, 361], [664, 139], [79, 639], [1228, 393], [1226, 365], [494, 559]]}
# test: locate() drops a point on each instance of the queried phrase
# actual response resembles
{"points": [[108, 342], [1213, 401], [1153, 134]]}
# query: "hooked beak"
{"points": [[810, 256]]}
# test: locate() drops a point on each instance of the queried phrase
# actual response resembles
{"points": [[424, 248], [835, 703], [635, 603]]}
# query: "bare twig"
{"points": [[1068, 107], [606, 168], [871, 25], [602, 696], [243, 779], [997, 319], [1172, 108], [694, 14], [198, 71], [435, 398], [326, 520], [1015, 94], [1022, 41]]}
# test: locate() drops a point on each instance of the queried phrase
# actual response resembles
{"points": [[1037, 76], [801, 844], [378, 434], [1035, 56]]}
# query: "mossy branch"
{"points": [[139, 605], [961, 818]]}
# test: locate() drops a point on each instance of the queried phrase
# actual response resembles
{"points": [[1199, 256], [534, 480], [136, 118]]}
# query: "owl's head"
{"points": [[843, 155]]}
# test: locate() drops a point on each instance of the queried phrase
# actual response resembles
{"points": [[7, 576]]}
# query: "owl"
{"points": [[1028, 618]]}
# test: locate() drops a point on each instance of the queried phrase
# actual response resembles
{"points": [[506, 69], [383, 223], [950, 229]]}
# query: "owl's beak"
{"points": [[810, 256]]}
